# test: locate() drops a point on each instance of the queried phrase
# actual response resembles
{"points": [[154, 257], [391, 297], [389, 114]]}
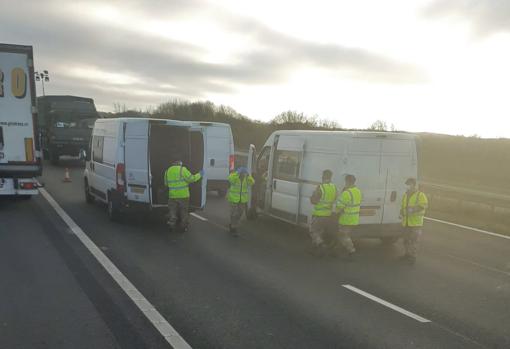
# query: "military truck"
{"points": [[66, 124]]}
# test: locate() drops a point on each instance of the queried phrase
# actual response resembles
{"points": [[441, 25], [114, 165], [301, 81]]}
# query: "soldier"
{"points": [[414, 205], [240, 180], [323, 199], [178, 178], [348, 207]]}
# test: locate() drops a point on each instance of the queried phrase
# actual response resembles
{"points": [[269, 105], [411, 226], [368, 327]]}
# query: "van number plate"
{"points": [[137, 190]]}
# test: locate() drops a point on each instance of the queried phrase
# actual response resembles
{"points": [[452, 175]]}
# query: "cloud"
{"points": [[90, 54], [485, 16]]}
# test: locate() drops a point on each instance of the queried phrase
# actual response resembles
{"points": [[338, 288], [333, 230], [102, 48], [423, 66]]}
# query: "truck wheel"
{"points": [[222, 193], [389, 240], [54, 157], [88, 197], [113, 211], [46, 154]]}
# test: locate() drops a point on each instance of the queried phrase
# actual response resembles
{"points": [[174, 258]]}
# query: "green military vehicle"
{"points": [[66, 124]]}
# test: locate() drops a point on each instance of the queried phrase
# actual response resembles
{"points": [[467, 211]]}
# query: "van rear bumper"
{"points": [[377, 230]]}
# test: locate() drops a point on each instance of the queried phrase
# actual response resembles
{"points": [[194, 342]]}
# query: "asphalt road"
{"points": [[259, 290]]}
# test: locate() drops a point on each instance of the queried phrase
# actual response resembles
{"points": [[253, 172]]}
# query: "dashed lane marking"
{"points": [[386, 304], [199, 216], [150, 312]]}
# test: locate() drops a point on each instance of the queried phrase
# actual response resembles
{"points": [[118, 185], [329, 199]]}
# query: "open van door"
{"points": [[252, 151], [196, 163], [136, 162], [286, 187]]}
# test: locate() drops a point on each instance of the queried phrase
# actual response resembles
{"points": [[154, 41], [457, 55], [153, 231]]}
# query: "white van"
{"points": [[128, 157], [219, 156], [294, 160]]}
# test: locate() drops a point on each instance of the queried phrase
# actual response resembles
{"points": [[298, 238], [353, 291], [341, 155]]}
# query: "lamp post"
{"points": [[43, 77]]}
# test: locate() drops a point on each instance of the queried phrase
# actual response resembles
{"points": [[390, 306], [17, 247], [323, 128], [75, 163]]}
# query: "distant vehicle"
{"points": [[290, 166], [66, 125], [219, 157], [20, 159], [128, 157]]}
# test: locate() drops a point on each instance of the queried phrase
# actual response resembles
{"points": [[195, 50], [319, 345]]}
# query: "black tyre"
{"points": [[222, 193], [113, 210], [389, 240], [88, 197]]}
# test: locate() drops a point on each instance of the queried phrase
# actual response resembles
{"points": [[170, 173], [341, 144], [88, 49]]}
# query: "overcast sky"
{"points": [[438, 66]]}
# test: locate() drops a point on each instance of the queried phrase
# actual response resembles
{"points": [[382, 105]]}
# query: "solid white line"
{"points": [[157, 320], [386, 304], [468, 228], [481, 266], [199, 217]]}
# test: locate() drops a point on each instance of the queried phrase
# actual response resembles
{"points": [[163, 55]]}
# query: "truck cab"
{"points": [[66, 124]]}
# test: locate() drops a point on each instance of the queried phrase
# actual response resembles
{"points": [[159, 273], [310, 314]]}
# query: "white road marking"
{"points": [[481, 266], [199, 217], [150, 312], [386, 304], [468, 228]]}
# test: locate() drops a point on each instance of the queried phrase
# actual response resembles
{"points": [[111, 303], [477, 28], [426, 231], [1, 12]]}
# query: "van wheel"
{"points": [[88, 197], [252, 214], [113, 211], [389, 240]]}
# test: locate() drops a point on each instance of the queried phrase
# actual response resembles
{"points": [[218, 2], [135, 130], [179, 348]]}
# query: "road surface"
{"points": [[259, 290]]}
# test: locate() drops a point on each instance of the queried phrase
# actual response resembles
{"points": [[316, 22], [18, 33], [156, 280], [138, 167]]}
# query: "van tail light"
{"points": [[121, 177], [231, 162]]}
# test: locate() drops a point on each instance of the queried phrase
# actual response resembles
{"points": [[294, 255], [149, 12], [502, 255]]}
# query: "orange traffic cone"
{"points": [[67, 178]]}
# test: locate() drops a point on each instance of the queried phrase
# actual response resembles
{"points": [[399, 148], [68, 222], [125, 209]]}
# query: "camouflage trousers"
{"points": [[236, 213], [178, 211], [344, 237], [319, 228], [411, 238]]}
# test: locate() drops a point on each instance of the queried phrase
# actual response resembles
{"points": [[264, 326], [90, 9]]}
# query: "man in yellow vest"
{"points": [[323, 199], [178, 178], [348, 207], [239, 180], [414, 205]]}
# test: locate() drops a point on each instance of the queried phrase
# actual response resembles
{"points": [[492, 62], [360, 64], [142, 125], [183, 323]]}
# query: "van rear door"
{"points": [[286, 187], [364, 161], [136, 140], [197, 146], [398, 162]]}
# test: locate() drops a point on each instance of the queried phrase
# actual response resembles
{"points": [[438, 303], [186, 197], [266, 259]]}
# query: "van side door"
{"points": [[285, 182]]}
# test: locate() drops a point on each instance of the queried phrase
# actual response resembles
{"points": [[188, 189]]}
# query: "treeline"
{"points": [[246, 131], [457, 160]]}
